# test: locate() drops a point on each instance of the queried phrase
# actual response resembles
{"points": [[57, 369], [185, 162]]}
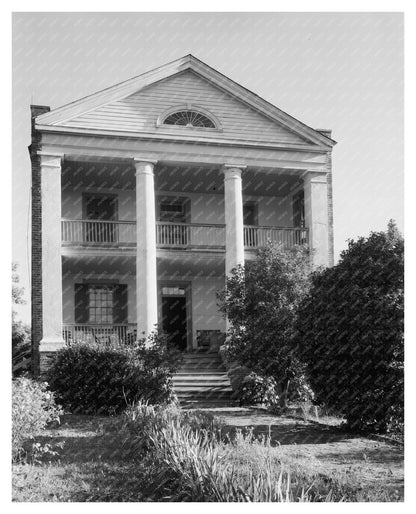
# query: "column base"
{"points": [[51, 345]]}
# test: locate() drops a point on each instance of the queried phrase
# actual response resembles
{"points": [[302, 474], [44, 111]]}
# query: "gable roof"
{"points": [[124, 89]]}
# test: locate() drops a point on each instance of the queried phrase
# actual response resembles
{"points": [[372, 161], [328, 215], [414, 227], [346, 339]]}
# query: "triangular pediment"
{"points": [[137, 107]]}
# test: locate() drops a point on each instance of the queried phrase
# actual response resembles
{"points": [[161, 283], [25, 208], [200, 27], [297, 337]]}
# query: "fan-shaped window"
{"points": [[189, 118]]}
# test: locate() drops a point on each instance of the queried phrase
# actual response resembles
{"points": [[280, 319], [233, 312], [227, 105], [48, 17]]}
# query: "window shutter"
{"points": [[81, 303], [120, 312]]}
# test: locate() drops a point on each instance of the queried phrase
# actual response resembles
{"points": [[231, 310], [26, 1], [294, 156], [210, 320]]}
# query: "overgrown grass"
{"points": [[163, 454], [192, 458]]}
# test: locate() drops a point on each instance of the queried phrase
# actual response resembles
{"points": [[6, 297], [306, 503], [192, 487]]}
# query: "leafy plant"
{"points": [[33, 407], [189, 458], [94, 378], [350, 332], [261, 300], [255, 389]]}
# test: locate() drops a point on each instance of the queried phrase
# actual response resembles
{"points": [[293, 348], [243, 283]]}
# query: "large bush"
{"points": [[351, 332], [260, 300], [96, 378], [33, 407]]}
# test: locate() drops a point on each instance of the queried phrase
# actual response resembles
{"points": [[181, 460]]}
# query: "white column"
{"points": [[316, 216], [146, 274], [52, 338], [234, 227]]}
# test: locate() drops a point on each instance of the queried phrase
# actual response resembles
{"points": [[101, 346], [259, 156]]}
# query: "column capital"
{"points": [[144, 160], [315, 175], [51, 159], [144, 166], [234, 167], [232, 171]]}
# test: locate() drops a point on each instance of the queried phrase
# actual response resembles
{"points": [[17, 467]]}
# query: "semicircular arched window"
{"points": [[189, 118]]}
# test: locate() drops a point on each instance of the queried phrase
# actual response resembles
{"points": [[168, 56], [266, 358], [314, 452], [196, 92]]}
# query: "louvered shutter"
{"points": [[120, 312], [81, 303]]}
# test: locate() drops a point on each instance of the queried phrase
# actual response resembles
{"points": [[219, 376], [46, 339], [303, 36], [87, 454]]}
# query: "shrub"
{"points": [[260, 300], [33, 407], [255, 389], [350, 332], [95, 378]]}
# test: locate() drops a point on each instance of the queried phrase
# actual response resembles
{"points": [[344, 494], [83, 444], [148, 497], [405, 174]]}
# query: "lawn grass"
{"points": [[94, 465]]}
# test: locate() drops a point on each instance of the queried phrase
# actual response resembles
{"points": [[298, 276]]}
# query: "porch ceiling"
{"points": [[180, 178], [103, 265], [170, 264], [180, 264]]}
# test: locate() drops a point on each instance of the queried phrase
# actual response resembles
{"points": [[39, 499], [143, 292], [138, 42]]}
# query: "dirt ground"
{"points": [[91, 465], [328, 448]]}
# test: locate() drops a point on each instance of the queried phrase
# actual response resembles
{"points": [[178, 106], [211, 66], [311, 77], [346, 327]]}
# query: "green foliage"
{"points": [[96, 378], [17, 292], [261, 300], [189, 458], [20, 335], [33, 407], [350, 332], [256, 389]]}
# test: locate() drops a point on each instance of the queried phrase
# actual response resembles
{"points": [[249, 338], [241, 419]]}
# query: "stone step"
{"points": [[195, 372], [194, 386], [202, 379], [213, 403], [193, 364], [202, 389]]}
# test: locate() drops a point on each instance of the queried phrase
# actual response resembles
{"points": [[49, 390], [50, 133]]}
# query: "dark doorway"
{"points": [[174, 321], [299, 209], [250, 220], [102, 209], [250, 214]]}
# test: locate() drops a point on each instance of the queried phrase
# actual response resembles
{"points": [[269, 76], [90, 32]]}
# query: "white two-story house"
{"points": [[146, 194]]}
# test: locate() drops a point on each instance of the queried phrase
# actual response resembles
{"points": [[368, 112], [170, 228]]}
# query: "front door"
{"points": [[174, 321]]}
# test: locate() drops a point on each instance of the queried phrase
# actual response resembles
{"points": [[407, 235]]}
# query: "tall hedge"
{"points": [[350, 332]]}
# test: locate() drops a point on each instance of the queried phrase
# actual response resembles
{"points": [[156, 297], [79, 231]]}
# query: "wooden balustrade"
{"points": [[105, 334], [257, 237], [171, 235], [98, 232], [189, 234]]}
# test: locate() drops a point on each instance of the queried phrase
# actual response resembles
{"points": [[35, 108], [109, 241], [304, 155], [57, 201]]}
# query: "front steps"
{"points": [[202, 381]]}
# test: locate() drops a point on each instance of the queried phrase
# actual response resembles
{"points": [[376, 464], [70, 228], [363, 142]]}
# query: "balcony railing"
{"points": [[174, 235], [256, 237], [103, 334], [101, 232], [189, 234]]}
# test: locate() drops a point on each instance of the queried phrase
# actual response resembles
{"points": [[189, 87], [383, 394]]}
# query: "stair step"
{"points": [[203, 390], [200, 378], [188, 367], [206, 371]]}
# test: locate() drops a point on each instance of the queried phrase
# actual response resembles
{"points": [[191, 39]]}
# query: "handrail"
{"points": [[275, 227], [176, 235], [170, 223], [99, 333], [118, 222]]}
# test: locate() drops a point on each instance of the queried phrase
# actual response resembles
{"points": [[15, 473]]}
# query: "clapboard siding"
{"points": [[139, 112]]}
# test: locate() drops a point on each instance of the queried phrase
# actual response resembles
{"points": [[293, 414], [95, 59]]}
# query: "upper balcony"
{"points": [[186, 236]]}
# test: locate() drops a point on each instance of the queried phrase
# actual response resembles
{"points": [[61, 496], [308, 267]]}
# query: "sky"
{"points": [[339, 71]]}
